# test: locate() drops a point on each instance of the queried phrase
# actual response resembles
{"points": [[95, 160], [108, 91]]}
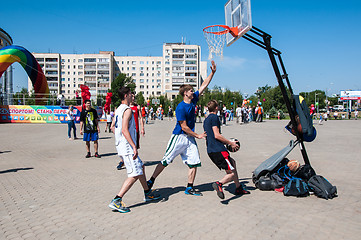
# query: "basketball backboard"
{"points": [[238, 14]]}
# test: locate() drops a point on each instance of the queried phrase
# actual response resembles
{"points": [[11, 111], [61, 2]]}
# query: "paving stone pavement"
{"points": [[49, 190]]}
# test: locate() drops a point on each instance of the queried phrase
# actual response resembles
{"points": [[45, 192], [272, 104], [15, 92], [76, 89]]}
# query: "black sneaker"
{"points": [[218, 187], [241, 191], [150, 184], [88, 155], [97, 155]]}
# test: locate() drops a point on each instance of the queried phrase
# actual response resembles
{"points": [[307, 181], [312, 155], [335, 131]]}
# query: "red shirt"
{"points": [[136, 116]]}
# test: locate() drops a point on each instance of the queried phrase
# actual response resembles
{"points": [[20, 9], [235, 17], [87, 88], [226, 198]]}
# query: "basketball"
{"points": [[293, 165], [229, 148]]}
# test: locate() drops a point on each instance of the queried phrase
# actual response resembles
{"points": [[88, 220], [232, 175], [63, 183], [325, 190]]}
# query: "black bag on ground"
{"points": [[278, 180], [265, 183], [305, 172], [296, 187], [322, 188]]}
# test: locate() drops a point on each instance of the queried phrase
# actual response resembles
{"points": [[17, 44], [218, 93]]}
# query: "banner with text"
{"points": [[38, 114]]}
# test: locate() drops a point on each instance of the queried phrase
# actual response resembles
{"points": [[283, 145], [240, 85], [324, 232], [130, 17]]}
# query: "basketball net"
{"points": [[216, 38]]}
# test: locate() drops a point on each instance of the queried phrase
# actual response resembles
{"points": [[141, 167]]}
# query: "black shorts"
{"points": [[222, 160]]}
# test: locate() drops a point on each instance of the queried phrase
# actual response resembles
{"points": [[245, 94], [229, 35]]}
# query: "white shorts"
{"points": [[185, 146], [134, 167]]}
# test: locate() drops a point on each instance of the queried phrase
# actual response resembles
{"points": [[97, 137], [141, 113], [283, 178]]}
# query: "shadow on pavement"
{"points": [[4, 152], [231, 188], [15, 170], [107, 154], [151, 163], [168, 191], [104, 137]]}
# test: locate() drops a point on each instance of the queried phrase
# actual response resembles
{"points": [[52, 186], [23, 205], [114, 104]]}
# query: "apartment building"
{"points": [[182, 65], [146, 72], [66, 72], [154, 76]]}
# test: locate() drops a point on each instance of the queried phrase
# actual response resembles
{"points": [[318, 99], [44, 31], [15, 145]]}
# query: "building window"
{"points": [[90, 60]]}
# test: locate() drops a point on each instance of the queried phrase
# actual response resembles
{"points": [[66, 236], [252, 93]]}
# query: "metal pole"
{"points": [[266, 44]]}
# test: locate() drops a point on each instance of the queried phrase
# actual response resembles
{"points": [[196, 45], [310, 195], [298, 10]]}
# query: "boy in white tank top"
{"points": [[125, 142]]}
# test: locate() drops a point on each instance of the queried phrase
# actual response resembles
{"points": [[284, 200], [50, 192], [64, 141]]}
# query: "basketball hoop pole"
{"points": [[265, 43]]}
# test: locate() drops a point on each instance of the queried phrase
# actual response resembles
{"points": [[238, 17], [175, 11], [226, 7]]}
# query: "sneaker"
{"points": [[88, 155], [192, 191], [241, 191], [120, 165], [150, 184], [118, 205], [97, 155], [218, 187], [151, 196]]}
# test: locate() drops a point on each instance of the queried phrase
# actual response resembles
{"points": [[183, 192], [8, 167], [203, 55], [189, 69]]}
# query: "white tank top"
{"points": [[123, 146]]}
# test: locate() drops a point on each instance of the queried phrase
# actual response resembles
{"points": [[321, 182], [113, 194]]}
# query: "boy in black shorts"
{"points": [[218, 152]]}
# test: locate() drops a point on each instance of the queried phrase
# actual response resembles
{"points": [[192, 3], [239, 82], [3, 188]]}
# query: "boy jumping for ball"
{"points": [[218, 152], [182, 141], [125, 141]]}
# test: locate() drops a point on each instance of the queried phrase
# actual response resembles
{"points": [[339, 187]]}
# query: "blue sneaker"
{"points": [[192, 191], [118, 205], [151, 196]]}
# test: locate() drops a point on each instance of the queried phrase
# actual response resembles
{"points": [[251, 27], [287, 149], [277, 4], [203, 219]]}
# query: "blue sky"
{"points": [[319, 40]]}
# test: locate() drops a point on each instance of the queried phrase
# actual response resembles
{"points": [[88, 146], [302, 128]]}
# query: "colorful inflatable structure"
{"points": [[11, 54]]}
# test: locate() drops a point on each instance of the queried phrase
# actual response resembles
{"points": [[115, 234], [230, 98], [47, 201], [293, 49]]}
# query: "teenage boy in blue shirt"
{"points": [[182, 141]]}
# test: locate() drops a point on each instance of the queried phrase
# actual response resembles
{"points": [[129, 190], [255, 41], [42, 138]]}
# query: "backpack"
{"points": [[322, 188], [305, 172], [296, 187]]}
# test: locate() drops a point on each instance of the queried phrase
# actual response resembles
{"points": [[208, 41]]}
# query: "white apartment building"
{"points": [[66, 72], [182, 65], [154, 76], [146, 72]]}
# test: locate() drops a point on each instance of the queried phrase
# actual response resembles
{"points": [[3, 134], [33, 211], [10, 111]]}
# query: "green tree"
{"points": [[139, 98], [315, 96], [262, 90], [122, 80]]}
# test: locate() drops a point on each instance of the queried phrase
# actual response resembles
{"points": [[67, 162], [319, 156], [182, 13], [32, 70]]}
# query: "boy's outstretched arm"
{"points": [[208, 79]]}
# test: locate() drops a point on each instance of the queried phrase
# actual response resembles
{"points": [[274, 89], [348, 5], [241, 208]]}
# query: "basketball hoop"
{"points": [[216, 38]]}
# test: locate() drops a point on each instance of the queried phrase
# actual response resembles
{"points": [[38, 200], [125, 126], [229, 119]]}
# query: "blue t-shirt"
{"points": [[186, 112], [213, 145]]}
